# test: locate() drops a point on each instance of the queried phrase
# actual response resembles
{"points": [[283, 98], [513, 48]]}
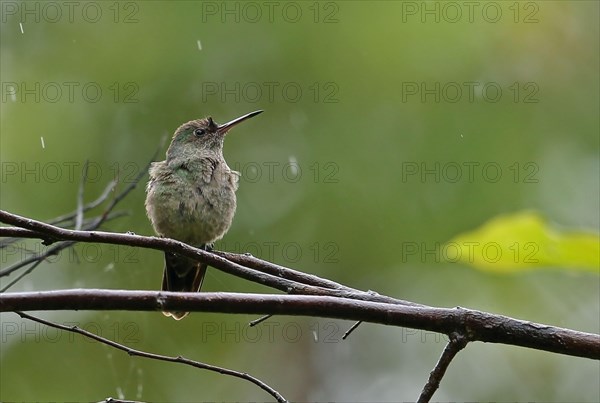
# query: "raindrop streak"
{"points": [[21, 26], [43, 144], [199, 44], [294, 167], [140, 386]]}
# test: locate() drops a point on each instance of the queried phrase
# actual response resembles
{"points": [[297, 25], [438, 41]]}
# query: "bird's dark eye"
{"points": [[199, 132]]}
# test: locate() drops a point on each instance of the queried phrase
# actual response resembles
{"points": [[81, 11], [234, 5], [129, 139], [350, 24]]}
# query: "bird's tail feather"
{"points": [[182, 274]]}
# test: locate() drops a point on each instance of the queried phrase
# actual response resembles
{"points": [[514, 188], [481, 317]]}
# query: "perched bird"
{"points": [[191, 198]]}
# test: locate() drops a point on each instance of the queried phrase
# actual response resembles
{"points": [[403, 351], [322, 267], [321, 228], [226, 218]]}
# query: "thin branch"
{"points": [[457, 342], [20, 276], [277, 270], [47, 240], [305, 278], [78, 215], [95, 203], [278, 280], [17, 233], [113, 400], [132, 185], [159, 357], [51, 251], [479, 326], [260, 320], [171, 245], [125, 191], [66, 218], [352, 328]]}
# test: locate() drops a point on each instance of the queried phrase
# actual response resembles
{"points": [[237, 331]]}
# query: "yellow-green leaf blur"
{"points": [[524, 240]]}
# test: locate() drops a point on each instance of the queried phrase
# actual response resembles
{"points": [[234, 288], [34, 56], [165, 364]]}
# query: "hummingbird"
{"points": [[191, 198]]}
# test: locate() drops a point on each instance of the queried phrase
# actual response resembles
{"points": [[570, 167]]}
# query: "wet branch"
{"points": [[473, 325], [159, 357], [308, 295], [259, 271], [457, 342]]}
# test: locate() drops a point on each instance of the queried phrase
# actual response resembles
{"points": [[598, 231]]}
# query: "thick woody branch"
{"points": [[472, 325]]}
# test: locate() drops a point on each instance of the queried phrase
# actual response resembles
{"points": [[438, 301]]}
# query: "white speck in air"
{"points": [[253, 171], [199, 44], [140, 385], [294, 167], [13, 93]]}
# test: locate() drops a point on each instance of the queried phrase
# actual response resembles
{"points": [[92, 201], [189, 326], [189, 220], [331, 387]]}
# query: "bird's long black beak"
{"points": [[225, 127]]}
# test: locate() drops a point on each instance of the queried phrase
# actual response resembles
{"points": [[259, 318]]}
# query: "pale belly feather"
{"points": [[195, 214]]}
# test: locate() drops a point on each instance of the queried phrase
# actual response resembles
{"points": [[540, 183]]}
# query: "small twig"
{"points": [[125, 191], [101, 199], [113, 400], [159, 357], [133, 184], [63, 219], [259, 320], [264, 266], [248, 260], [79, 219], [352, 328], [20, 276], [287, 273], [51, 251], [457, 342]]}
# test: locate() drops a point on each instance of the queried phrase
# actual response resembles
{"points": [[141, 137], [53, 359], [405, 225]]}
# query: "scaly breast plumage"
{"points": [[207, 211], [198, 212]]}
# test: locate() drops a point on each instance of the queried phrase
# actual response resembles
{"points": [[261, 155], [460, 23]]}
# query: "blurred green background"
{"points": [[349, 174]]}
